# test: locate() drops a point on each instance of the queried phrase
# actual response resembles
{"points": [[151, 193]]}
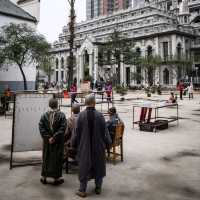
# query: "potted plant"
{"points": [[120, 89], [148, 91], [159, 92]]}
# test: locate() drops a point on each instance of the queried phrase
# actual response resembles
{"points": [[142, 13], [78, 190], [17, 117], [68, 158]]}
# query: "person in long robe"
{"points": [[71, 123], [52, 127], [91, 138]]}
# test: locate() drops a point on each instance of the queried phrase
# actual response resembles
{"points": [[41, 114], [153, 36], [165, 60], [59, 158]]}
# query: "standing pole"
{"points": [[71, 25]]}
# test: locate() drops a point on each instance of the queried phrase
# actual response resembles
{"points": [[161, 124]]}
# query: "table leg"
{"points": [[133, 116], [177, 114]]}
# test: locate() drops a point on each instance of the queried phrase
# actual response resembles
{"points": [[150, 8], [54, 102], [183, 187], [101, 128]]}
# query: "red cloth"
{"points": [[73, 88], [149, 115], [180, 87], [143, 114]]}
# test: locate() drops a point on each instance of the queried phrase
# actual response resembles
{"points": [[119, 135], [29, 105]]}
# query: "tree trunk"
{"points": [[118, 72], [150, 76], [49, 75], [71, 42], [70, 70], [24, 77]]}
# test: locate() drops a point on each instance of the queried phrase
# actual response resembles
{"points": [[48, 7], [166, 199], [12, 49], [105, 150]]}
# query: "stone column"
{"points": [[183, 46], [95, 64], [157, 50], [81, 67], [122, 73], [90, 64], [174, 45], [59, 70]]}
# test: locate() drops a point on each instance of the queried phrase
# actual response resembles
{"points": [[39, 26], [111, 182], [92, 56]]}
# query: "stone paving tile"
{"points": [[157, 166]]}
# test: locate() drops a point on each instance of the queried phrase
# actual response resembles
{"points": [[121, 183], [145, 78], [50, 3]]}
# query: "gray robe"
{"points": [[91, 139], [52, 124]]}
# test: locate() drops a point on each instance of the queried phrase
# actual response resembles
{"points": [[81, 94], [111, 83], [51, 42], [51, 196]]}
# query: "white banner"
{"points": [[28, 110]]}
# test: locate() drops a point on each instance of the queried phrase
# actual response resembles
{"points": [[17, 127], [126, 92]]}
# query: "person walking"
{"points": [[190, 91], [90, 139], [52, 127], [108, 90], [73, 90], [181, 88]]}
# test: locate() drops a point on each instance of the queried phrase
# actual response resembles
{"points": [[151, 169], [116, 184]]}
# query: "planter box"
{"points": [[153, 126], [161, 124], [147, 127]]}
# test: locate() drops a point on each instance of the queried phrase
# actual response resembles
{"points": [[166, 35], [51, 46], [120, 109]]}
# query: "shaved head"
{"points": [[90, 100], [76, 108]]}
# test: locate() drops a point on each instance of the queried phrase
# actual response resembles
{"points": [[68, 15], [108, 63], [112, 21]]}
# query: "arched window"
{"points": [[86, 58], [166, 76], [138, 51], [185, 19], [179, 51], [56, 63], [62, 63], [149, 51]]}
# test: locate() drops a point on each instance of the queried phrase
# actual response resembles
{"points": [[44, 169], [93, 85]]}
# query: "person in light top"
{"points": [[190, 91]]}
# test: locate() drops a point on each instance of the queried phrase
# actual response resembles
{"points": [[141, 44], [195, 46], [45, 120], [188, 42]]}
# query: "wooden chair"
{"points": [[117, 143]]}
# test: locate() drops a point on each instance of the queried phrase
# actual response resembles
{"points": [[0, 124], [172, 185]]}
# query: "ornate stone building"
{"points": [[167, 28]]}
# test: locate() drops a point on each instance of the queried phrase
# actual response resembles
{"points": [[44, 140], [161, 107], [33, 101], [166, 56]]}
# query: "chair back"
{"points": [[119, 131]]}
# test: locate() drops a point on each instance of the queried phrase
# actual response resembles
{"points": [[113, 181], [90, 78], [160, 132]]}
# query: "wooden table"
{"points": [[156, 106]]}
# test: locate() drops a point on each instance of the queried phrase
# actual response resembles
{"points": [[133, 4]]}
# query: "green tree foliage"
{"points": [[116, 51], [21, 45], [182, 65], [149, 64], [45, 63]]}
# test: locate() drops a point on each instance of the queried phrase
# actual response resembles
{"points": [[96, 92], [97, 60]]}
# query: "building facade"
{"points": [[169, 28], [10, 12]]}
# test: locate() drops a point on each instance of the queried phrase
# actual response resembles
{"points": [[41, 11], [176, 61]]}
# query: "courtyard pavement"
{"points": [[157, 166]]}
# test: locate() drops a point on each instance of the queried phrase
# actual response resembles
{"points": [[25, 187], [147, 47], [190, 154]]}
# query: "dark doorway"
{"points": [[128, 76], [166, 76]]}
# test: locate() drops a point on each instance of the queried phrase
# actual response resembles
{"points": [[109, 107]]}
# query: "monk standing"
{"points": [[91, 138], [52, 127]]}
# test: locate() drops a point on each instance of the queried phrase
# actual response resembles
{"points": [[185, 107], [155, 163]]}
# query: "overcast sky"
{"points": [[54, 15]]}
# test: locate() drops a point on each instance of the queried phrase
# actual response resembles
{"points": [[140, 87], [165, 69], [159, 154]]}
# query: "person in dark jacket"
{"points": [[91, 138], [112, 122], [52, 127]]}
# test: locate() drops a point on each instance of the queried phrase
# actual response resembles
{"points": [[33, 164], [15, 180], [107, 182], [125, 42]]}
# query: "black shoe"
{"points": [[98, 190], [58, 182], [81, 194], [43, 181]]}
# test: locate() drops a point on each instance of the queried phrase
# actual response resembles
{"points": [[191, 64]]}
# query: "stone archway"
{"points": [[87, 60]]}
